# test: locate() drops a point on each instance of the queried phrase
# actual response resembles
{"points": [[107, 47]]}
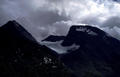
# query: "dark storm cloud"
{"points": [[112, 26], [91, 20], [12, 9], [112, 22], [3, 17], [36, 15], [43, 21], [44, 17], [116, 0]]}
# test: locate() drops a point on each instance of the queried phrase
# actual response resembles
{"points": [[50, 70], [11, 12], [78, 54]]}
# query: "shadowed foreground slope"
{"points": [[22, 56]]}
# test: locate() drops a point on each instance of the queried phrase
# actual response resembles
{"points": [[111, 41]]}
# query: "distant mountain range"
{"points": [[22, 56], [88, 51]]}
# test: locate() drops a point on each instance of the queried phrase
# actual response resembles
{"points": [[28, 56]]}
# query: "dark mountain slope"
{"points": [[96, 54], [53, 38], [22, 56]]}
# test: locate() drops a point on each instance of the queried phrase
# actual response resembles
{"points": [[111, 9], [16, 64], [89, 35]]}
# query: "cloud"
{"points": [[44, 17], [112, 22]]}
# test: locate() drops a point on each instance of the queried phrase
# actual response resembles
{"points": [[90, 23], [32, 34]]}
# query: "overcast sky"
{"points": [[45, 17]]}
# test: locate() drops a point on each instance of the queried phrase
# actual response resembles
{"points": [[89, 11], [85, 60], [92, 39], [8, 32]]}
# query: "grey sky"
{"points": [[45, 17]]}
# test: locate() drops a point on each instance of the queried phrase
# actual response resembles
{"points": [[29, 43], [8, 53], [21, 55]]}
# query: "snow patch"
{"points": [[56, 46], [86, 30]]}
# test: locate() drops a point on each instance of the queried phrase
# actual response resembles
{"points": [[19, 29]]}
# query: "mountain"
{"points": [[94, 53], [54, 42], [53, 38], [22, 56]]}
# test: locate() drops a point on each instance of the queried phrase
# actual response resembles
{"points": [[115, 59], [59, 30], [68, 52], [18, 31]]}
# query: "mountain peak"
{"points": [[12, 23], [15, 29], [82, 32]]}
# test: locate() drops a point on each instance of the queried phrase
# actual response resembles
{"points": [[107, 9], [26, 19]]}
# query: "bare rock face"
{"points": [[22, 56], [53, 38]]}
